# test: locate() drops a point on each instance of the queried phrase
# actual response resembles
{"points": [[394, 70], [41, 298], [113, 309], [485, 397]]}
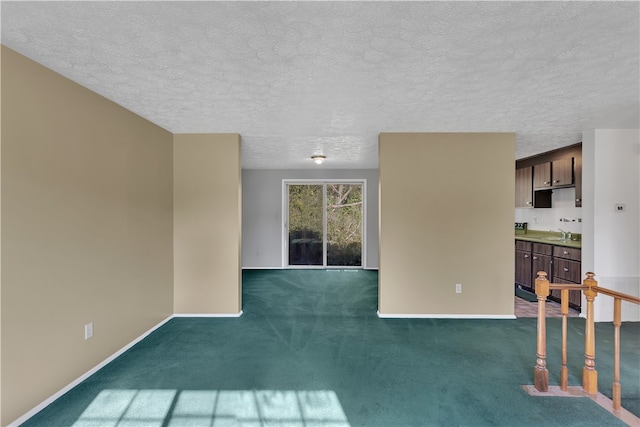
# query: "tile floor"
{"points": [[530, 309]]}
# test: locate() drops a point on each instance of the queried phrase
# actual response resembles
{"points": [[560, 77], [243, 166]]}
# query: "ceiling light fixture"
{"points": [[318, 158]]}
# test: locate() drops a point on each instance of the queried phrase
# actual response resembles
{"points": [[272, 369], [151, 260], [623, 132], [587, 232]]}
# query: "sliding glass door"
{"points": [[324, 223], [344, 224], [306, 225]]}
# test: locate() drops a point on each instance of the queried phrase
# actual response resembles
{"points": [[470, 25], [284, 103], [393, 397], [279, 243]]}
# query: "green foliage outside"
{"points": [[344, 221], [305, 211]]}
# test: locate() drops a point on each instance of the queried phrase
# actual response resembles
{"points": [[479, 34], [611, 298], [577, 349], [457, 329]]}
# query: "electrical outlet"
{"points": [[88, 330], [619, 207], [458, 288]]}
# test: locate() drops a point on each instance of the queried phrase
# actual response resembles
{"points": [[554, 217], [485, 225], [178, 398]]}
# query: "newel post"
{"points": [[617, 321], [541, 374], [589, 373]]}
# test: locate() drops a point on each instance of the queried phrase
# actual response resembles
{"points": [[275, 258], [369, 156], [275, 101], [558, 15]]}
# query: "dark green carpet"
{"points": [[310, 350], [527, 296]]}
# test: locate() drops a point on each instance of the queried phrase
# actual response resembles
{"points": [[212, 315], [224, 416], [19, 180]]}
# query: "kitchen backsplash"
{"points": [[562, 215]]}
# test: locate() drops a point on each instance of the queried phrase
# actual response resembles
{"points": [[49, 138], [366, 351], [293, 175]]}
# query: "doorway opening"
{"points": [[324, 223]]}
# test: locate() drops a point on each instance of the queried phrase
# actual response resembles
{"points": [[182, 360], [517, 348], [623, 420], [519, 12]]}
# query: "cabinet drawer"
{"points": [[568, 253], [541, 248], [567, 270], [523, 246]]}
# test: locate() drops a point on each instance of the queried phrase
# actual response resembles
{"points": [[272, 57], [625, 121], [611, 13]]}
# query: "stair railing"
{"points": [[590, 290]]}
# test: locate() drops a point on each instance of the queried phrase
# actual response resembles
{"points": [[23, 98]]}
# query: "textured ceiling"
{"points": [[295, 78]]}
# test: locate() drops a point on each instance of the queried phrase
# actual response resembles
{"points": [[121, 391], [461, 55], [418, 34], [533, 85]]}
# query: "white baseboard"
{"points": [[208, 314], [446, 316], [84, 376]]}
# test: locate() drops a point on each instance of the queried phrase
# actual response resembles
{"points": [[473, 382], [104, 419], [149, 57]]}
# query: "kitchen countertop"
{"points": [[551, 238]]}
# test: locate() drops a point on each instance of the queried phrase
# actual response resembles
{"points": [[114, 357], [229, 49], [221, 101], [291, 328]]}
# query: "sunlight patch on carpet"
{"points": [[191, 408]]}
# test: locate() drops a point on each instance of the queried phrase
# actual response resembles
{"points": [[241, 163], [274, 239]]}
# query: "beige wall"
{"points": [[446, 217], [86, 230], [207, 224]]}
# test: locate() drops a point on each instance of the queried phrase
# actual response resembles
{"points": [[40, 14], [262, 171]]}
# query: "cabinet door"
{"points": [[562, 172], [524, 187], [523, 269], [541, 263], [577, 175], [542, 175]]}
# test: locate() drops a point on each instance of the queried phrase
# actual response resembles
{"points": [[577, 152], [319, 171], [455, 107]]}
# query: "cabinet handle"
{"points": [[577, 200], [526, 256], [546, 182], [555, 181], [530, 202], [535, 257], [565, 269], [565, 252]]}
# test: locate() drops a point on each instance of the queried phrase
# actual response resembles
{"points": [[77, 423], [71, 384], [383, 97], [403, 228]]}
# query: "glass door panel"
{"points": [[344, 224], [306, 224]]}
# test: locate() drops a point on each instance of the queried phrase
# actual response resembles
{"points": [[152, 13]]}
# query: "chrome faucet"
{"points": [[564, 233]]}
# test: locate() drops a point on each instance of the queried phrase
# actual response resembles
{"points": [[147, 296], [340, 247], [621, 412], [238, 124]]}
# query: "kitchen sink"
{"points": [[557, 239]]}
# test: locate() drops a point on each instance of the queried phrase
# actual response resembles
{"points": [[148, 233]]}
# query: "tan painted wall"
{"points": [[207, 224], [1, 423], [446, 217], [86, 230]]}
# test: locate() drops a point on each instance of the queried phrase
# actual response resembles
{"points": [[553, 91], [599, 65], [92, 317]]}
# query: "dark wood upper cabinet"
{"points": [[577, 173], [562, 172], [558, 173], [542, 175], [524, 187], [560, 168]]}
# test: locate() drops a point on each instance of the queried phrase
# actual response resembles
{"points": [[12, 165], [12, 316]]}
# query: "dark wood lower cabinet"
{"points": [[561, 264], [567, 268], [575, 297], [523, 265], [544, 263]]}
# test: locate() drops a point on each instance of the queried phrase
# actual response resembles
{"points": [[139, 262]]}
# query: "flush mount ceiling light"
{"points": [[318, 158]]}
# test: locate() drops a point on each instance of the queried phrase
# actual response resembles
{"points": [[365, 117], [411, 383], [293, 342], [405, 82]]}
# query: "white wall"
{"points": [[262, 222], [548, 219], [611, 239]]}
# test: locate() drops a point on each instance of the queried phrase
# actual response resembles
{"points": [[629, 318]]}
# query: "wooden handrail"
{"points": [[568, 286], [590, 290], [598, 289], [617, 295]]}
